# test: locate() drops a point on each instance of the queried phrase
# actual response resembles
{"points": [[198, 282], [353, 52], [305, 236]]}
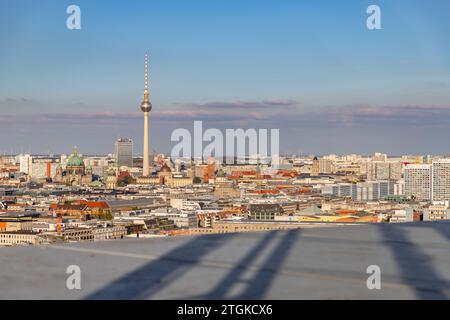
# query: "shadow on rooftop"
{"points": [[259, 284], [415, 265], [147, 280]]}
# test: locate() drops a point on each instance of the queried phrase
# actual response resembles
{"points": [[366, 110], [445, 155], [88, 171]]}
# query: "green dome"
{"points": [[75, 160], [220, 172], [96, 184]]}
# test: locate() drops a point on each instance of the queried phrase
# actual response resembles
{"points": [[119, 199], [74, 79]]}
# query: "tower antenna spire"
{"points": [[146, 78], [146, 105]]}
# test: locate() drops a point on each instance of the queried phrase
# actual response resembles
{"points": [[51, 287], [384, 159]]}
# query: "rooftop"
{"points": [[318, 263], [18, 214]]}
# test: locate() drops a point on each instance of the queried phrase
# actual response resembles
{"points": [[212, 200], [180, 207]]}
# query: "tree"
{"points": [[197, 180], [106, 215], [124, 181]]}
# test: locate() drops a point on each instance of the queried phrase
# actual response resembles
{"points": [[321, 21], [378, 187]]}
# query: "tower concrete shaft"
{"points": [[146, 171]]}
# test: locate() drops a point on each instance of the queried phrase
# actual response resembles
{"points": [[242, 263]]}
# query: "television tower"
{"points": [[146, 106]]}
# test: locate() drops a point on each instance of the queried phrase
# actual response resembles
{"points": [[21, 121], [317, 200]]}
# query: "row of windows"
{"points": [[14, 242], [15, 236]]}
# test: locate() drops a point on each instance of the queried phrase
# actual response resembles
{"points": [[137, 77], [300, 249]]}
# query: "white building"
{"points": [[428, 181], [403, 215], [399, 188], [25, 162], [18, 238], [438, 210], [441, 180], [418, 181], [183, 204]]}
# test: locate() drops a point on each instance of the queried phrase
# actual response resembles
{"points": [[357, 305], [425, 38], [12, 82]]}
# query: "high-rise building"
{"points": [[418, 180], [25, 162], [146, 106], [428, 181], [124, 152], [315, 167], [441, 180], [382, 170], [325, 166]]}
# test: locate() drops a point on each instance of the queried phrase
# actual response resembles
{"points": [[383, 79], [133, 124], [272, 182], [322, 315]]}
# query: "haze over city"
{"points": [[313, 70]]}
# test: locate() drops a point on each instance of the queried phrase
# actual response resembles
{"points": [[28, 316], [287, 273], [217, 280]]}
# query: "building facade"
{"points": [[18, 238], [418, 181], [123, 151], [441, 180], [361, 191]]}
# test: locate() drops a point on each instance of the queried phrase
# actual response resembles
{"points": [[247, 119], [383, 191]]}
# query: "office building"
{"points": [[124, 152], [361, 191]]}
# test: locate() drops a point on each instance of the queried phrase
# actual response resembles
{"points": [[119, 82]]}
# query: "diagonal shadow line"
{"points": [[233, 277], [260, 284], [147, 280], [443, 227], [415, 265]]}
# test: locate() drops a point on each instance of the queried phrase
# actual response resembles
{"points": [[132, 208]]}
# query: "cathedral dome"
{"points": [[75, 160]]}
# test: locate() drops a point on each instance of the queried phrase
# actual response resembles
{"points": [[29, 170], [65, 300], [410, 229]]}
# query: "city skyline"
{"points": [[208, 152], [313, 71]]}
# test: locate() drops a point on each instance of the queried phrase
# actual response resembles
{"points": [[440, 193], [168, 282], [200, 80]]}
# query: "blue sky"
{"points": [[310, 68]]}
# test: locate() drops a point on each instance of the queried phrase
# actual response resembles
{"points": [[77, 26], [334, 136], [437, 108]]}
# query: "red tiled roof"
{"points": [[95, 204]]}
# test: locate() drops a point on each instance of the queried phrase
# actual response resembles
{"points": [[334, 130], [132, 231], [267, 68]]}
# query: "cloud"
{"points": [[354, 128], [22, 101], [256, 115], [407, 114], [245, 105]]}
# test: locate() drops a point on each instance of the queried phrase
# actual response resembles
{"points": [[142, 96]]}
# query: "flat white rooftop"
{"points": [[322, 263]]}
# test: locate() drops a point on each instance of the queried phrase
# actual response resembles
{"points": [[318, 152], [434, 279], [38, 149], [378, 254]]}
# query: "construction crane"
{"points": [[59, 215], [153, 158]]}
